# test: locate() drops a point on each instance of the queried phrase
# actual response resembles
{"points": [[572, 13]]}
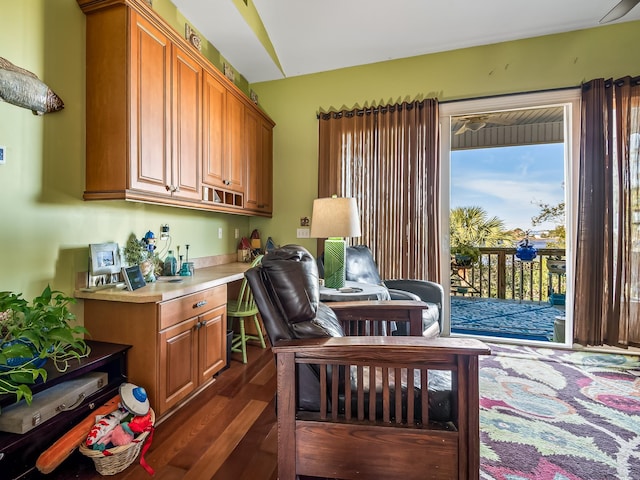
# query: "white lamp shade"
{"points": [[335, 217]]}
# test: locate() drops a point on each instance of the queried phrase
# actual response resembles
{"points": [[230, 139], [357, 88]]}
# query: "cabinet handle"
{"points": [[198, 326], [168, 187], [201, 303]]}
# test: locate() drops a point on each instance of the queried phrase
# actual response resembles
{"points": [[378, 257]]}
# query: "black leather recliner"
{"points": [[286, 291], [360, 266]]}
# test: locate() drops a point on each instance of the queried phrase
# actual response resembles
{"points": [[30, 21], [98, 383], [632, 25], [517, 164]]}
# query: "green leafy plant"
{"points": [[135, 251], [33, 333]]}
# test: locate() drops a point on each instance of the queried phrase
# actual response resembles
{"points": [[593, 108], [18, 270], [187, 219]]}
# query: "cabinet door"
{"points": [[150, 108], [235, 158], [265, 190], [259, 160], [178, 363], [212, 339], [252, 162], [213, 128], [186, 86]]}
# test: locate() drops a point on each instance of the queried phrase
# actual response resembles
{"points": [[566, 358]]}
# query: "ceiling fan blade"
{"points": [[619, 11], [462, 129]]}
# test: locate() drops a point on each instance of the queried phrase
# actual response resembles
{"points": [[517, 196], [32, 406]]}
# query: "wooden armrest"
{"points": [[381, 347], [382, 311]]}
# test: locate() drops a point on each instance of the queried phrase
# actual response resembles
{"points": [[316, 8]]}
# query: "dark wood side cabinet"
{"points": [[18, 453]]}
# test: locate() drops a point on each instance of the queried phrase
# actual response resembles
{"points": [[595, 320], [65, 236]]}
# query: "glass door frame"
{"points": [[570, 100]]}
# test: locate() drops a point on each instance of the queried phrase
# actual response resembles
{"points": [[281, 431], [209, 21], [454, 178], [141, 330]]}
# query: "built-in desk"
{"points": [[177, 331], [163, 289]]}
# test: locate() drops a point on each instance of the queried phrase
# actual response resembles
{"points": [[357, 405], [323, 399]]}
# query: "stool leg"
{"points": [[259, 330], [243, 339]]}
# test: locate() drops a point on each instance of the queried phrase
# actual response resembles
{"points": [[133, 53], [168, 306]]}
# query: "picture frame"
{"points": [[104, 258], [133, 278]]}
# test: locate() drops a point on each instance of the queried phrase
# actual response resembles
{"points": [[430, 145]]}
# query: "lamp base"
{"points": [[335, 251]]}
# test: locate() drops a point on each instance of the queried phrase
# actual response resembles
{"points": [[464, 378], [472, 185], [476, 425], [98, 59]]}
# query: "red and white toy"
{"points": [[119, 427]]}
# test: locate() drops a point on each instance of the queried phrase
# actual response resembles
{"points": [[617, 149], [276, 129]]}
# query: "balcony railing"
{"points": [[500, 274]]}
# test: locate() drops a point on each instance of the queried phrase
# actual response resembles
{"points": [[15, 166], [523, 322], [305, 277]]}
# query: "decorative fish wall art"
{"points": [[22, 88]]}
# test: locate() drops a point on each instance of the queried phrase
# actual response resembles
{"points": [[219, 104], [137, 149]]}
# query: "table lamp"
{"points": [[333, 219]]}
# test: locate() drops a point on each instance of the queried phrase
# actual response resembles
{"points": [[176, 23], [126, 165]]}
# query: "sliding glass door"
{"points": [[508, 176]]}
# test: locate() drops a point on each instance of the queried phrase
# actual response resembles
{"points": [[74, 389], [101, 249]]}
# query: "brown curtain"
{"points": [[607, 290], [387, 158]]}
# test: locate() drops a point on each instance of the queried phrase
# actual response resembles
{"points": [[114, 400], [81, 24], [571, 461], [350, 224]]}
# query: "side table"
{"points": [[360, 291]]}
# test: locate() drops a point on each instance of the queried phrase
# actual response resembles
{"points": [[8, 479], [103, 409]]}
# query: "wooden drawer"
{"points": [[180, 309]]}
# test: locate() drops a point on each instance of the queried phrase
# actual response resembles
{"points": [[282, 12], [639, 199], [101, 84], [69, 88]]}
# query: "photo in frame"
{"points": [[104, 258]]}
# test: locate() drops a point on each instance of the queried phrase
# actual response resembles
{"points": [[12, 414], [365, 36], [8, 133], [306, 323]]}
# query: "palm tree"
{"points": [[472, 226]]}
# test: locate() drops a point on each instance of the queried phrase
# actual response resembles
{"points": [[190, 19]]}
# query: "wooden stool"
{"points": [[243, 307]]}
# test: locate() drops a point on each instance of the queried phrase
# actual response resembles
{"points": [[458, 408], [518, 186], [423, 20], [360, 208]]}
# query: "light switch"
{"points": [[302, 233]]}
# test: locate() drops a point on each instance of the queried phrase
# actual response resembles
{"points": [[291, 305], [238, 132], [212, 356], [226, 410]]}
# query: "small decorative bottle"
{"points": [[170, 265]]}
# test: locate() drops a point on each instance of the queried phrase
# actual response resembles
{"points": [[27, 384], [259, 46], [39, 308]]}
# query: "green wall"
{"points": [[541, 63], [45, 226]]}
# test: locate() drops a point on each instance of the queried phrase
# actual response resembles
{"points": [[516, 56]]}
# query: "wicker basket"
{"points": [[116, 459]]}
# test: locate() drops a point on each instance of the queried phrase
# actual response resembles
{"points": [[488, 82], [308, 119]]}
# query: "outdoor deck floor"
{"points": [[493, 317]]}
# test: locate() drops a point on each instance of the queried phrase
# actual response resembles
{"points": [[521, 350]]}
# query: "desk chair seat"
{"points": [[244, 307]]}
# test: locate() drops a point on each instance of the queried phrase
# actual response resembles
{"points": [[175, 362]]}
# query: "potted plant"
{"points": [[32, 334], [464, 255], [142, 252]]}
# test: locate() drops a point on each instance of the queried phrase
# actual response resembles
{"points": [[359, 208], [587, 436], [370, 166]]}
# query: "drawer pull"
{"points": [[201, 303]]}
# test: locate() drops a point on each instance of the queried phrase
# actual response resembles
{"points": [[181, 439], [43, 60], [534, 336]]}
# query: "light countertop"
{"points": [[163, 289]]}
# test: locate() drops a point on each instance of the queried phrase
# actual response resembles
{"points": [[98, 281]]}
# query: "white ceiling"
{"points": [[311, 36]]}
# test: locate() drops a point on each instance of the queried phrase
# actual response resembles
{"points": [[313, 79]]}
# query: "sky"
{"points": [[509, 182]]}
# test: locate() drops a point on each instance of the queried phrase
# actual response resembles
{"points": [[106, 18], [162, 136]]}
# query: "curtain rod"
{"points": [[377, 109]]}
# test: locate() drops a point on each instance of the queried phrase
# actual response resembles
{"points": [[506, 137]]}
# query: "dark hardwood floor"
{"points": [[227, 432]]}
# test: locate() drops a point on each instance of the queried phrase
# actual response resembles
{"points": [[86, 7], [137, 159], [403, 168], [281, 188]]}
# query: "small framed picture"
{"points": [[105, 258], [133, 277]]}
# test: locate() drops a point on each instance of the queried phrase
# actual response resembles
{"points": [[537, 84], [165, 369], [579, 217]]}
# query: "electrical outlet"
{"points": [[164, 231], [236, 233], [220, 232], [302, 233]]}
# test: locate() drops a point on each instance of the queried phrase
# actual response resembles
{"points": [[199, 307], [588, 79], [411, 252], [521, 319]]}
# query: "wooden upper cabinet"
{"points": [[259, 160], [163, 125], [236, 141], [166, 114], [214, 98], [265, 193], [186, 125], [224, 138], [150, 108]]}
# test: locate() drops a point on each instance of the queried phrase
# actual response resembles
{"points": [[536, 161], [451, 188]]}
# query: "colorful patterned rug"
{"points": [[503, 318], [559, 415]]}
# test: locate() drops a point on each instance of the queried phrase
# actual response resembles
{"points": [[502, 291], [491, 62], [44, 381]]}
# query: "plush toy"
{"points": [[120, 435], [105, 424], [141, 423]]}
